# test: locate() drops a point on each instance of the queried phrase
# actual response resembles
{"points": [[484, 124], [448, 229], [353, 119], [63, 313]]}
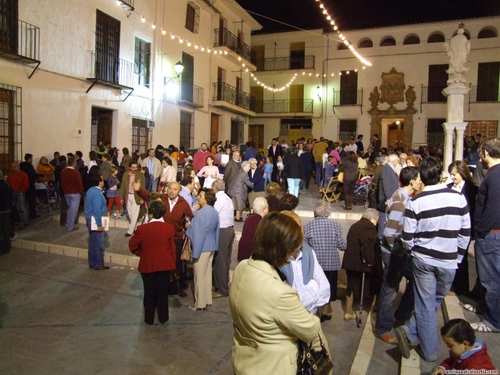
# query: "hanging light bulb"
{"points": [[153, 26], [143, 19]]}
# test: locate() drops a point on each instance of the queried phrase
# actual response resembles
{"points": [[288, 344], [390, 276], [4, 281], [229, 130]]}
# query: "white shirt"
{"points": [[172, 203], [225, 208], [317, 292], [353, 147], [458, 187]]}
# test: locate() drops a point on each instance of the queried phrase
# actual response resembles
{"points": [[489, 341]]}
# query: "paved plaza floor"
{"points": [[59, 317]]}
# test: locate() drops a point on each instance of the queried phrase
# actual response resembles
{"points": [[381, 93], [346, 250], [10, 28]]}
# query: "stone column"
{"points": [[449, 130], [459, 140]]}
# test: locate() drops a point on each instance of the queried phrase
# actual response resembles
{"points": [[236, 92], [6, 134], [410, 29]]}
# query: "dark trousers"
{"points": [[156, 285], [222, 260], [180, 265], [460, 283], [5, 232], [31, 201], [275, 175], [332, 277], [307, 178]]}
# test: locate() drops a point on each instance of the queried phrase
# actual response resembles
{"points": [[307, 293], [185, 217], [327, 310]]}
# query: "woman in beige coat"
{"points": [[267, 314]]}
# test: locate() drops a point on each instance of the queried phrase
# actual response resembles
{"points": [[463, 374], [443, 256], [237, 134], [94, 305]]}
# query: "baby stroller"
{"points": [[362, 190], [46, 196]]}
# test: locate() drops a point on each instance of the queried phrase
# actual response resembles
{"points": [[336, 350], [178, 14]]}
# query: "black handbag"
{"points": [[312, 362]]}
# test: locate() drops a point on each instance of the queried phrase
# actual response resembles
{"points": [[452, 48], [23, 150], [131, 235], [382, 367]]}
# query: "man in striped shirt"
{"points": [[437, 231], [410, 182]]}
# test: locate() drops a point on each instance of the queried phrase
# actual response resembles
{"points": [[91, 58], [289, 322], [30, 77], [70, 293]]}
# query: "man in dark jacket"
{"points": [[27, 167], [362, 255], [5, 203], [294, 171]]}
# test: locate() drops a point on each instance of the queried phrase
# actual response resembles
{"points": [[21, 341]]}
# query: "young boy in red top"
{"points": [[467, 353]]}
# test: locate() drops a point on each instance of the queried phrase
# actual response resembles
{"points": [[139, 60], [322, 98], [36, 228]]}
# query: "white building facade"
{"points": [[74, 74], [399, 97]]}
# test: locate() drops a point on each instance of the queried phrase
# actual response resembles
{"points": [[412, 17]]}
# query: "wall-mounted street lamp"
{"points": [[179, 68], [170, 89], [317, 91]]}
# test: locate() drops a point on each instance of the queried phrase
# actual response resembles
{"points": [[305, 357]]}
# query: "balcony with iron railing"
{"points": [[432, 95], [344, 98], [225, 38], [20, 41], [191, 95], [226, 93], [111, 71], [484, 94], [285, 63], [284, 106]]}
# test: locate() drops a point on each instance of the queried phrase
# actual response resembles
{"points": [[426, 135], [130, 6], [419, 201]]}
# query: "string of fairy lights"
{"points": [[222, 51]]}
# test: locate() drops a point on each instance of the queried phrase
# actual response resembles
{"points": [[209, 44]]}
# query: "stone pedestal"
{"points": [[455, 94]]}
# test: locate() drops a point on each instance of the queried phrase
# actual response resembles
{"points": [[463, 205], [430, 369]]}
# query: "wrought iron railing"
{"points": [[484, 94], [225, 38], [285, 63], [346, 98], [20, 38], [114, 70], [228, 93], [284, 106], [432, 94], [192, 93]]}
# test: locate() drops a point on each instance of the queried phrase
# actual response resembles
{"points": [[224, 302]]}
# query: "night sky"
{"points": [[361, 14]]}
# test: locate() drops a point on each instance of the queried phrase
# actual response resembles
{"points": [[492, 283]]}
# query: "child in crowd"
{"points": [[189, 158], [113, 193], [467, 353], [281, 168], [329, 170], [268, 170]]}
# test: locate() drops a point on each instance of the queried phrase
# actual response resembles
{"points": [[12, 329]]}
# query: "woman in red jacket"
{"points": [[154, 243]]}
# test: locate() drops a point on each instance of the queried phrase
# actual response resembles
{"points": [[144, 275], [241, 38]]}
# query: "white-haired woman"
{"points": [[255, 175], [325, 237], [238, 190], [247, 240]]}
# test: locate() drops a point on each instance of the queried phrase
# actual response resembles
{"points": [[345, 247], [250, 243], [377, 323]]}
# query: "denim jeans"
{"points": [[387, 296], [487, 252], [319, 172], [19, 199], [431, 285], [293, 186], [154, 185], [73, 202], [96, 248]]}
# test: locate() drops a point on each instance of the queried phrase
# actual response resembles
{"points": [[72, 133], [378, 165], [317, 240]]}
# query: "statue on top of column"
{"points": [[458, 49]]}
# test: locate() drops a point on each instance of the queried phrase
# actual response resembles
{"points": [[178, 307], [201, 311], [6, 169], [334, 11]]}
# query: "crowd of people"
{"points": [[418, 228]]}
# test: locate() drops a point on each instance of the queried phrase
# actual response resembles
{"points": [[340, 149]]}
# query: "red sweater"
{"points": [[178, 215], [71, 181], [154, 243], [19, 181], [479, 360]]}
